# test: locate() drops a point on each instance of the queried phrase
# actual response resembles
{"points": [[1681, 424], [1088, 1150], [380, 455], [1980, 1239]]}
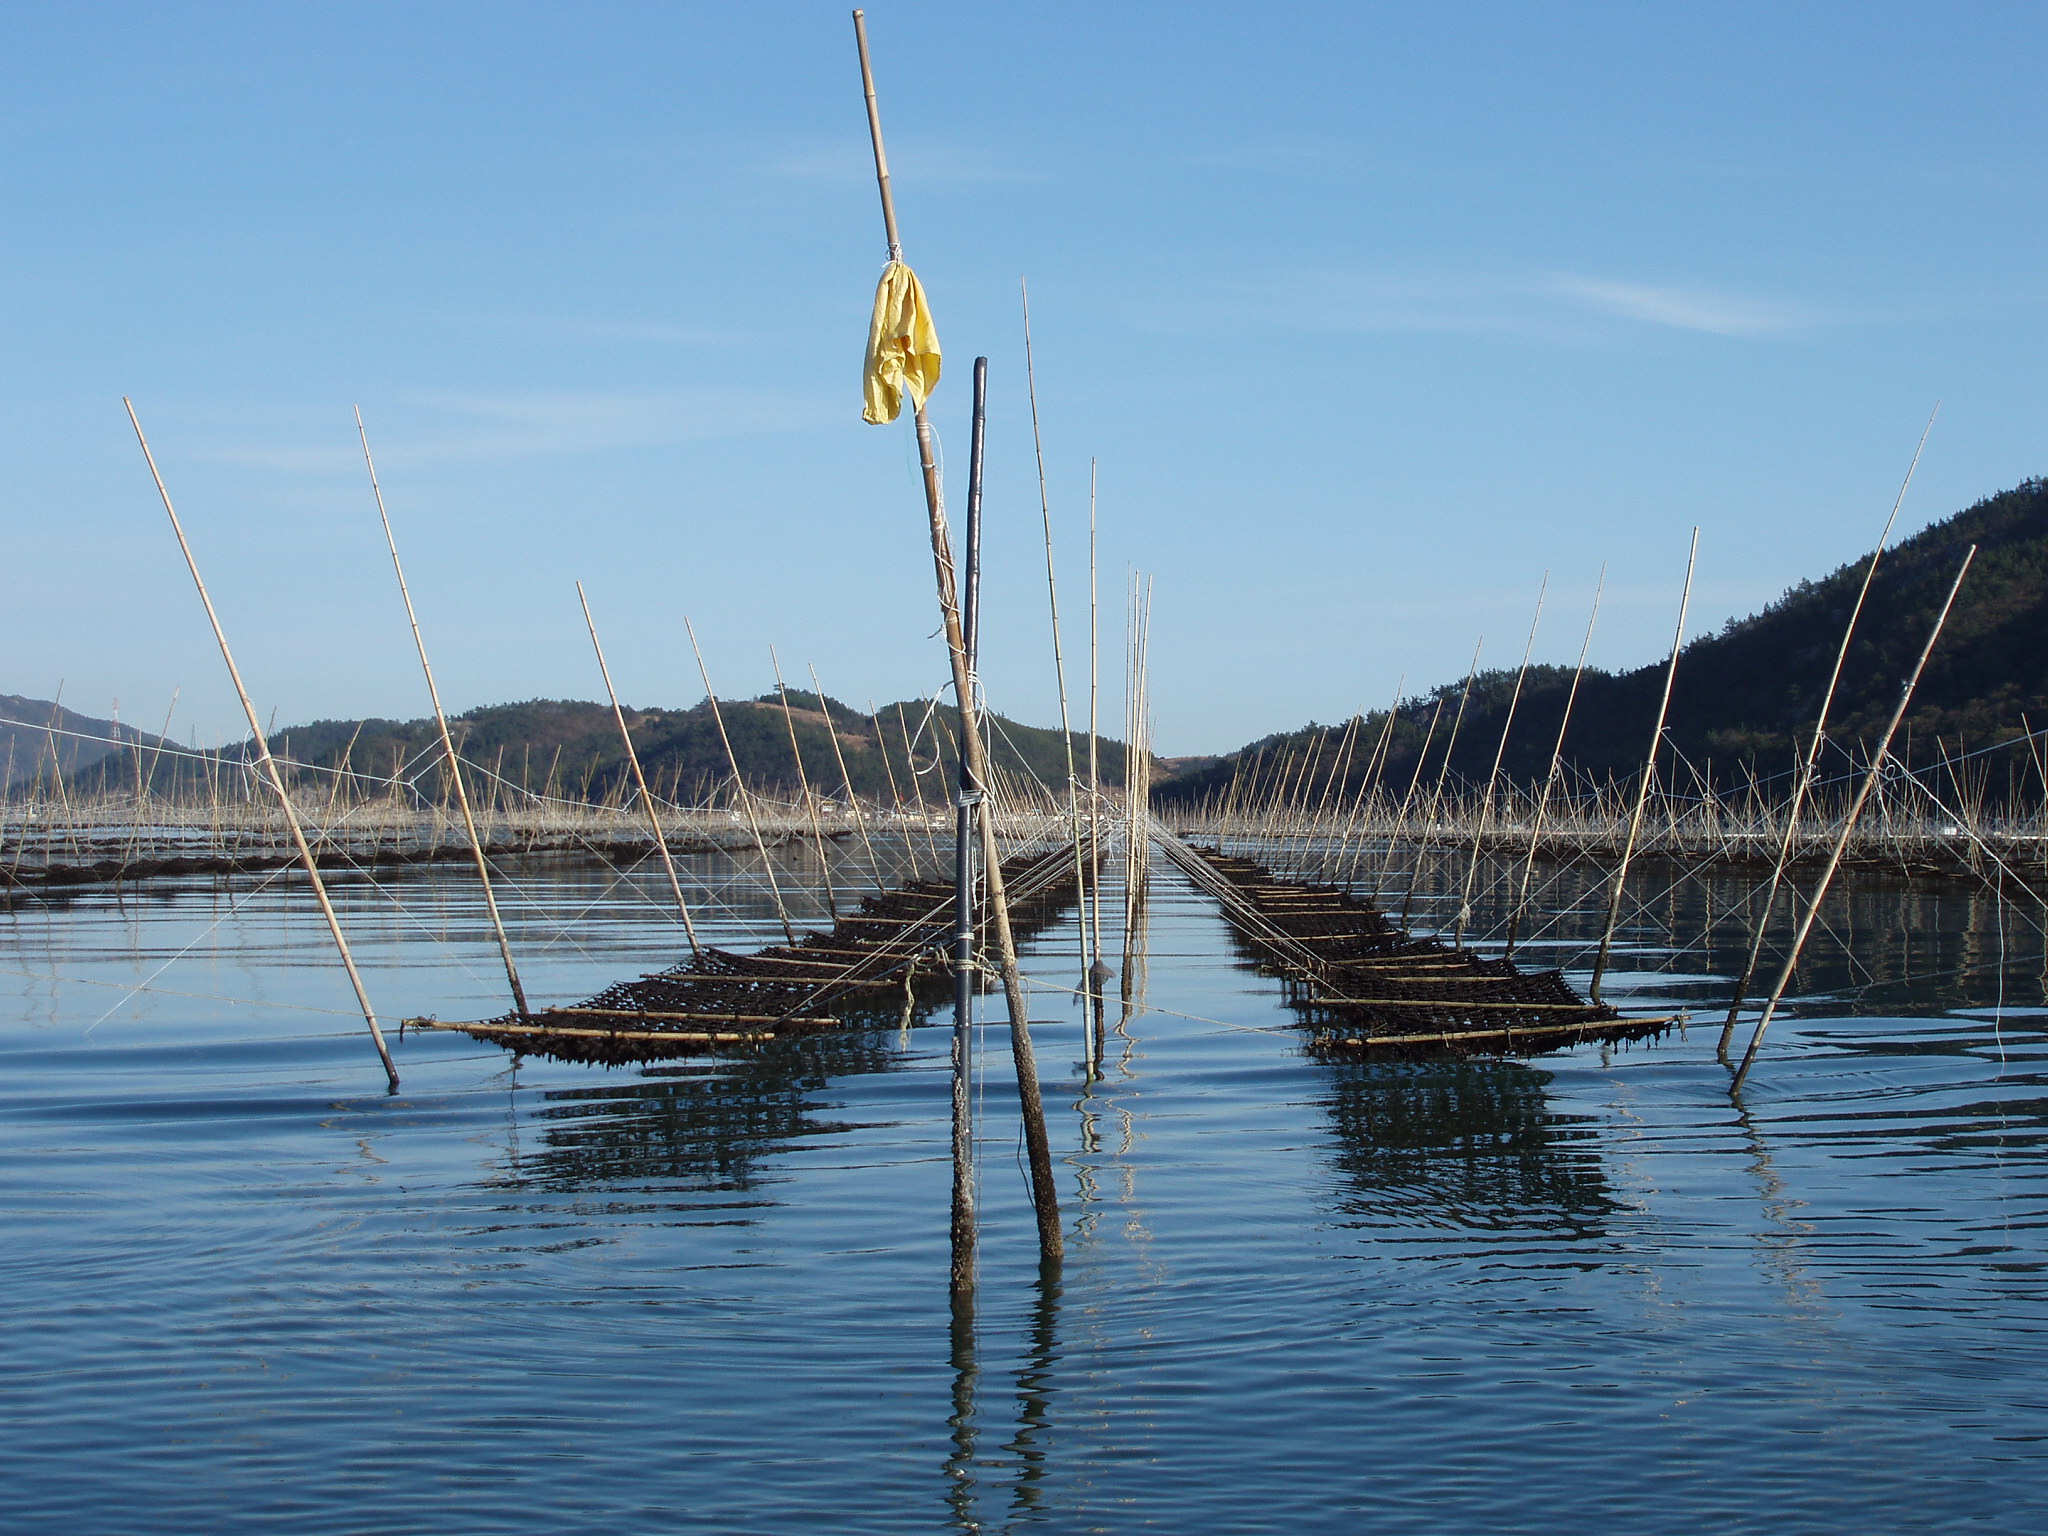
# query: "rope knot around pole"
{"points": [[967, 799]]}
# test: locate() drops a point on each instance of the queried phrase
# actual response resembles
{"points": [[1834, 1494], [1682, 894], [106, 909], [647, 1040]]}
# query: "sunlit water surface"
{"points": [[246, 1290]]}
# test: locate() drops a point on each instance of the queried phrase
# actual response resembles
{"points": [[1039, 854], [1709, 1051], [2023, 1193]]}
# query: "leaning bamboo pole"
{"points": [[924, 815], [1635, 821], [1556, 766], [1483, 822], [1098, 972], [739, 784], [860, 816], [1397, 823], [1810, 762], [1443, 774], [803, 780], [476, 845], [269, 764], [895, 795], [1863, 793], [668, 862], [1045, 1197], [1059, 660], [1368, 783]]}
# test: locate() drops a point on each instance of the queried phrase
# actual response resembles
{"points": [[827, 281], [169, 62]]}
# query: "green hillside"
{"points": [[1746, 695], [571, 749], [39, 738]]}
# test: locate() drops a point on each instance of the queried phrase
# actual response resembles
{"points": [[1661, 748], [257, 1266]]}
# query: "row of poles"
{"points": [[270, 773], [1801, 799]]}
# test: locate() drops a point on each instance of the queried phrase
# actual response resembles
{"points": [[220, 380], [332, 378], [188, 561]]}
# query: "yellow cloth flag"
{"points": [[903, 347]]}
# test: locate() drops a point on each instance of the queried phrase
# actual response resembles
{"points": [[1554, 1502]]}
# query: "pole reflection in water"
{"points": [[708, 1124], [1463, 1144], [1035, 1388], [1781, 1242], [960, 1485]]}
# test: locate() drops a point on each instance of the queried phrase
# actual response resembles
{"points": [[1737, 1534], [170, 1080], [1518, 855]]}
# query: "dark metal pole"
{"points": [[965, 802]]}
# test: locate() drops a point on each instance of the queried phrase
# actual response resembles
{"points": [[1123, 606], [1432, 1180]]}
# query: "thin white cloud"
{"points": [[1556, 306], [1716, 312]]}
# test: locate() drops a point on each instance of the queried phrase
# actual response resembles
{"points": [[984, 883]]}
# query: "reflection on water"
{"points": [[1471, 1144], [248, 1291], [697, 1126]]}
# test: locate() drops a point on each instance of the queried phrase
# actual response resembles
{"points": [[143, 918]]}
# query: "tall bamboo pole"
{"points": [[1368, 783], [1550, 775], [739, 784], [1484, 821], [1863, 792], [1397, 825], [1045, 1196], [269, 764], [1635, 820], [1810, 762], [1443, 774], [895, 794], [803, 780], [476, 845], [1059, 660], [668, 862], [860, 816], [924, 815], [1098, 972]]}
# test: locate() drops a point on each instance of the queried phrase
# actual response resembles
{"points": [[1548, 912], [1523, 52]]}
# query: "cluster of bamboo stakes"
{"points": [[217, 816], [1305, 813]]}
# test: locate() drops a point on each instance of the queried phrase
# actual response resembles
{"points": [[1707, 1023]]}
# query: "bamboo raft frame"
{"points": [[894, 942], [1364, 985]]}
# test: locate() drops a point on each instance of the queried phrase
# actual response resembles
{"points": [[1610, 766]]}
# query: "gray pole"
{"points": [[963, 882]]}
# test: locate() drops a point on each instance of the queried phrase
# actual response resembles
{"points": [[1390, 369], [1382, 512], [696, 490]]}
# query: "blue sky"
{"points": [[1372, 315]]}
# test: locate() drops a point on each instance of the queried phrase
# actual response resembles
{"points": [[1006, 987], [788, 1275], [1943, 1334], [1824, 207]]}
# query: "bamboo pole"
{"points": [[476, 846], [1098, 971], [269, 764], [1045, 1197], [739, 783], [1863, 792], [1059, 660], [668, 862], [1443, 774], [860, 817], [803, 780], [1635, 821], [1550, 775], [895, 794], [1368, 783], [1484, 820], [924, 815], [1810, 762], [1397, 824]]}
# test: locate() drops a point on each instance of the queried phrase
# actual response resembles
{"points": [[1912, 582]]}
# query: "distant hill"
{"points": [[36, 734], [571, 749], [1745, 696]]}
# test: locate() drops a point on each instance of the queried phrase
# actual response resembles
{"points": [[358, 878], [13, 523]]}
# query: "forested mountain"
{"points": [[1745, 696], [572, 749], [39, 738]]}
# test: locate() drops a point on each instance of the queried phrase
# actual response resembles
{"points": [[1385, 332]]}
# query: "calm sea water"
{"points": [[246, 1290]]}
